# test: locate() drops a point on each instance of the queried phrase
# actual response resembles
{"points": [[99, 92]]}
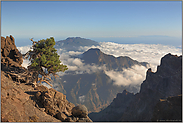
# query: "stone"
{"points": [[80, 111], [61, 116]]}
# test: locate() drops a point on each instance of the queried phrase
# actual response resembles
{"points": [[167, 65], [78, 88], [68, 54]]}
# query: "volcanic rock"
{"points": [[166, 82], [169, 109], [80, 111], [17, 104], [20, 101], [115, 110], [9, 53]]}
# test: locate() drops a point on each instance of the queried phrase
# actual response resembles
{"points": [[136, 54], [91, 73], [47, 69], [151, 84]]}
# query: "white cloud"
{"points": [[77, 62], [25, 63], [130, 76], [24, 49], [151, 53]]}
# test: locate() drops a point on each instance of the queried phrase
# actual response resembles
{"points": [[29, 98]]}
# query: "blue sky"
{"points": [[120, 21]]}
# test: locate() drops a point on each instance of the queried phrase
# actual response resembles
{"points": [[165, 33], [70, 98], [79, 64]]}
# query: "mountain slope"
{"points": [[115, 110], [167, 81], [94, 55], [96, 89], [169, 109]]}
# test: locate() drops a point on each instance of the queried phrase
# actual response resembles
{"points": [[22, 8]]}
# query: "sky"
{"points": [[128, 22]]}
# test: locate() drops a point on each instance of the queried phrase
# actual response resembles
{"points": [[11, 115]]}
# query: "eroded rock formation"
{"points": [[9, 53]]}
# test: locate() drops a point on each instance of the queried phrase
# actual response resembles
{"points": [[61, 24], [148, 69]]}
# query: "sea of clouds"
{"points": [[151, 53]]}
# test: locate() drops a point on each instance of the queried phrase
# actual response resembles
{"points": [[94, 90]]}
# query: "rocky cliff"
{"points": [[169, 109], [22, 102], [115, 110], [9, 53], [167, 81]]}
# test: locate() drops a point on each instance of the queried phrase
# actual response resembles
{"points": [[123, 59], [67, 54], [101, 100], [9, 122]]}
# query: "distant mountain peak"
{"points": [[72, 43]]}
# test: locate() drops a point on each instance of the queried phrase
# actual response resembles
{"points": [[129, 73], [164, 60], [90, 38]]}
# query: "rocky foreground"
{"points": [[22, 102]]}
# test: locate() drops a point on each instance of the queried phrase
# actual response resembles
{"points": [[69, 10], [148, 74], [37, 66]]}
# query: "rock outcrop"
{"points": [[169, 109], [115, 110], [11, 60], [166, 82], [79, 114], [9, 53], [22, 102], [17, 105]]}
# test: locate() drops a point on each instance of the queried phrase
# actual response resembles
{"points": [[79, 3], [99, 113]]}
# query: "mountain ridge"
{"points": [[164, 83], [95, 55]]}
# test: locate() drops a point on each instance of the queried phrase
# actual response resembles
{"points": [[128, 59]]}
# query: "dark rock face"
{"points": [[169, 109], [167, 81], [115, 110], [9, 53]]}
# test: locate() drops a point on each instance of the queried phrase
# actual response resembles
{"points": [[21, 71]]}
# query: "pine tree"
{"points": [[44, 60]]}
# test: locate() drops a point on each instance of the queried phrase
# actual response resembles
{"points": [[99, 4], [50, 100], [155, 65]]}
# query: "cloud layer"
{"points": [[151, 53], [131, 76]]}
